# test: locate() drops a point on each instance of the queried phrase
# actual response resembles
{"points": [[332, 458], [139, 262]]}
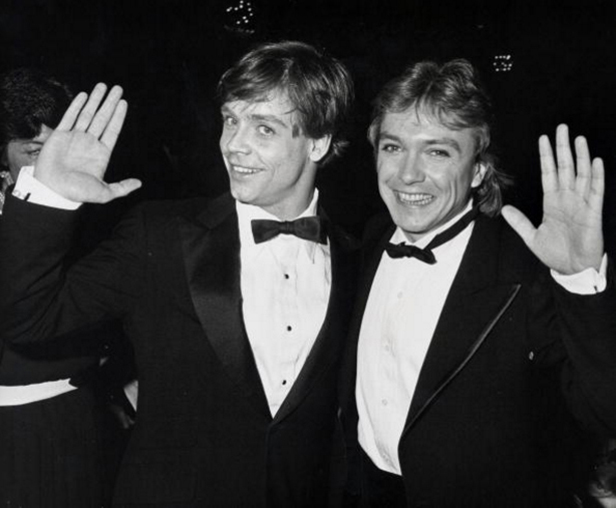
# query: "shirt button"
{"points": [[387, 348], [400, 295], [384, 402], [286, 275], [289, 328], [284, 382], [384, 454]]}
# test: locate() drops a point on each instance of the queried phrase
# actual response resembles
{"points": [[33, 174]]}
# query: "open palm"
{"points": [[74, 159], [570, 237]]}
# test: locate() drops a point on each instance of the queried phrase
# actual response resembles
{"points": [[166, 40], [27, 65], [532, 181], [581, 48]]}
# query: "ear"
{"points": [[319, 148], [479, 172]]}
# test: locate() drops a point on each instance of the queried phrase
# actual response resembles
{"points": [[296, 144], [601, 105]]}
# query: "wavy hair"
{"points": [[30, 98], [318, 85], [453, 94]]}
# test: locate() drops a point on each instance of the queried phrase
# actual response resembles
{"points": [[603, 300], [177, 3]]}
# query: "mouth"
{"points": [[414, 199], [243, 170]]}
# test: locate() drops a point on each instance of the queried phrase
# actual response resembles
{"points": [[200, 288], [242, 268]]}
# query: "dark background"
{"points": [[169, 54]]}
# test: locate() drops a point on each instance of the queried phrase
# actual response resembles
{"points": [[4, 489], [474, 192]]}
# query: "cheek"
{"points": [[16, 160], [222, 142], [384, 172]]}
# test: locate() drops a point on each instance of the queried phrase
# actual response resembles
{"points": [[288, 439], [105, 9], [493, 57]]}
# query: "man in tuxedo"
{"points": [[471, 361], [237, 308]]}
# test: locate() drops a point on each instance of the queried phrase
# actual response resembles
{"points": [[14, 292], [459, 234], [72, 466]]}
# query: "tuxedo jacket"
{"points": [[515, 363], [204, 434]]}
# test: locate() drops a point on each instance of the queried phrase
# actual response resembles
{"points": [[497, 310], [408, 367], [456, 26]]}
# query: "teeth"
{"points": [[244, 170], [415, 199]]}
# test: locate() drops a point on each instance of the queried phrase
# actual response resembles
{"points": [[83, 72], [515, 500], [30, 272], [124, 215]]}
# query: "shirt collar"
{"points": [[246, 213]]}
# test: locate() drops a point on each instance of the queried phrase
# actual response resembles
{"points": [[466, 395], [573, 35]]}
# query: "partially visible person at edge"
{"points": [[237, 308], [477, 341], [51, 450]]}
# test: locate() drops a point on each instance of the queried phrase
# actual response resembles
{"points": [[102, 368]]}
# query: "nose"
{"points": [[411, 169], [235, 141]]}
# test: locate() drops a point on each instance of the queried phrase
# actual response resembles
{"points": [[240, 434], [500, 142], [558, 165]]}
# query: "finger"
{"points": [[583, 165], [597, 185], [105, 112], [68, 120], [120, 189], [86, 114], [114, 126], [520, 224], [566, 169], [549, 177]]}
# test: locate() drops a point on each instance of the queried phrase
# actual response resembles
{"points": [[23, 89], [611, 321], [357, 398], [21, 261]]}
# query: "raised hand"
{"points": [[74, 159], [570, 237]]}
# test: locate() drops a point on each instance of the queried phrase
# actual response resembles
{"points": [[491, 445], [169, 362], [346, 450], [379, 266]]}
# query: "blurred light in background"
{"points": [[240, 17], [502, 63]]}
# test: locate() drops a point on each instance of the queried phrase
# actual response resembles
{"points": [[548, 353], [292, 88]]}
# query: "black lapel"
{"points": [[475, 302], [378, 233], [374, 246], [212, 260], [328, 345]]}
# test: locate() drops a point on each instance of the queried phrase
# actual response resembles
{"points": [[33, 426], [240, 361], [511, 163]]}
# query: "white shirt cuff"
{"points": [[30, 189], [586, 282]]}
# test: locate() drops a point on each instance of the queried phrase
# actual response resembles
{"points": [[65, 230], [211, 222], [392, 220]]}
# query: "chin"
{"points": [[411, 223]]}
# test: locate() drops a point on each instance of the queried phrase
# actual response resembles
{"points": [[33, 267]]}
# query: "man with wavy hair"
{"points": [[471, 356]]}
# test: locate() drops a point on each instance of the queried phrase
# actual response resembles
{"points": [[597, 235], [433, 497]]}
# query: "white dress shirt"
{"points": [[286, 283], [402, 311]]}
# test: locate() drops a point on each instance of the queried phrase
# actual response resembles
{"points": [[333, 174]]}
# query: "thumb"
{"points": [[120, 189], [519, 223]]}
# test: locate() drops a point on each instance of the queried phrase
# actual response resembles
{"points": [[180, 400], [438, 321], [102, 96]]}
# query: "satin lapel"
{"points": [[374, 249], [212, 260], [368, 271], [475, 303], [328, 345]]}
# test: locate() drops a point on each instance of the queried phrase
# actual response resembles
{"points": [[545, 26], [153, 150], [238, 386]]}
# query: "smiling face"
{"points": [[425, 170], [24, 152], [271, 163]]}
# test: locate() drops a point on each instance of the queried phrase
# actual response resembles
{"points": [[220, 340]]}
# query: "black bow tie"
{"points": [[307, 228], [426, 255]]}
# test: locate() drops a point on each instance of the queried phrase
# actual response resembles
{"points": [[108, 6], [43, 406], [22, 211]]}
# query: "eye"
{"points": [[389, 148], [439, 152], [265, 130], [33, 154], [229, 121]]}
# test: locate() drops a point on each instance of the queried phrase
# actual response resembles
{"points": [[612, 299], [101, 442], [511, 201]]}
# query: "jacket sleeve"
{"points": [[588, 331], [40, 296], [582, 331]]}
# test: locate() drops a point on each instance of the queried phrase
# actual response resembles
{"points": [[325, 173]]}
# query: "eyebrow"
{"points": [[271, 119], [445, 141], [438, 141], [261, 118], [386, 135]]}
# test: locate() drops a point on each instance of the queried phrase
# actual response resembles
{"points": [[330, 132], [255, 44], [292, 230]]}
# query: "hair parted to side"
{"points": [[453, 94], [318, 85], [30, 98]]}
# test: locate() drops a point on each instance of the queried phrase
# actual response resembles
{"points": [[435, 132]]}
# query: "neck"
{"points": [[290, 211]]}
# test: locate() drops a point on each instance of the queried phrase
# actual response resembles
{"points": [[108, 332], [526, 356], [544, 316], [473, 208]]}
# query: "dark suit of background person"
{"points": [[51, 451], [487, 422], [205, 434]]}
